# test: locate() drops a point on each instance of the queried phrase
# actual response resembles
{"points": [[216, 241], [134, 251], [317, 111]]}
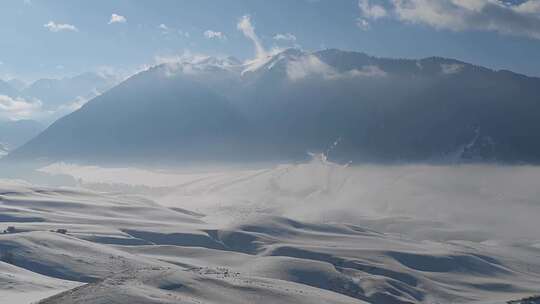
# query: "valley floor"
{"points": [[301, 233]]}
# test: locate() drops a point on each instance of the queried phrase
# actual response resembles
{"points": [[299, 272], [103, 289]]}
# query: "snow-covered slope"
{"points": [[300, 233], [168, 284]]}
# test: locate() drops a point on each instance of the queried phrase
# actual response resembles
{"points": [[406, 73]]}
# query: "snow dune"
{"points": [[303, 233]]}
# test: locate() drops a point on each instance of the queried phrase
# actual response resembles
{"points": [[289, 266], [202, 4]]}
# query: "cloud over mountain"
{"points": [[504, 17], [247, 28], [19, 108], [284, 105]]}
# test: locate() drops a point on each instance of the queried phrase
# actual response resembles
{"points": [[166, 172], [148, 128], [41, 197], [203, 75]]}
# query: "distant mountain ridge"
{"points": [[57, 92], [284, 105], [54, 92], [7, 89], [17, 84], [15, 133], [54, 97]]}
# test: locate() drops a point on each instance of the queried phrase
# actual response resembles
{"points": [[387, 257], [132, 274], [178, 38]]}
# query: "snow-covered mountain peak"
{"points": [[189, 64], [271, 61]]}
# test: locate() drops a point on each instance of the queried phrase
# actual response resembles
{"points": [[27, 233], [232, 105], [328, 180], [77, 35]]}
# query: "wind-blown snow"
{"points": [[470, 196], [292, 233]]}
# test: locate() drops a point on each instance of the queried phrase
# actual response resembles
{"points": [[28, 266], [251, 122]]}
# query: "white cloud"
{"points": [[19, 108], [453, 68], [286, 37], [189, 63], [369, 71], [504, 17], [372, 11], [180, 63], [214, 35], [310, 65], [187, 57], [363, 24], [306, 66], [73, 106], [163, 27], [115, 18], [59, 27], [369, 11], [114, 75], [244, 25], [529, 7]]}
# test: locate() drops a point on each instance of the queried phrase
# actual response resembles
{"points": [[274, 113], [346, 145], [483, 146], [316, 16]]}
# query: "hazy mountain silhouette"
{"points": [[287, 104], [7, 89], [150, 115], [15, 133], [17, 84], [57, 92]]}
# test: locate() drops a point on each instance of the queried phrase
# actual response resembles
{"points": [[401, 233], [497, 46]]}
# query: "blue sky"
{"points": [[65, 37]]}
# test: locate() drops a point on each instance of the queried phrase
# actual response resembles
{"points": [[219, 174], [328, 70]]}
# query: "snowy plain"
{"points": [[314, 232]]}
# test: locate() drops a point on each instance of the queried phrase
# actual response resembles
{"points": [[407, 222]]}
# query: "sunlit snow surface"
{"points": [[314, 232]]}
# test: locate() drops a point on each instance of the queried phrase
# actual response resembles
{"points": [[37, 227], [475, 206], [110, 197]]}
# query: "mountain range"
{"points": [[57, 92], [54, 92], [349, 105], [7, 89], [51, 99]]}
